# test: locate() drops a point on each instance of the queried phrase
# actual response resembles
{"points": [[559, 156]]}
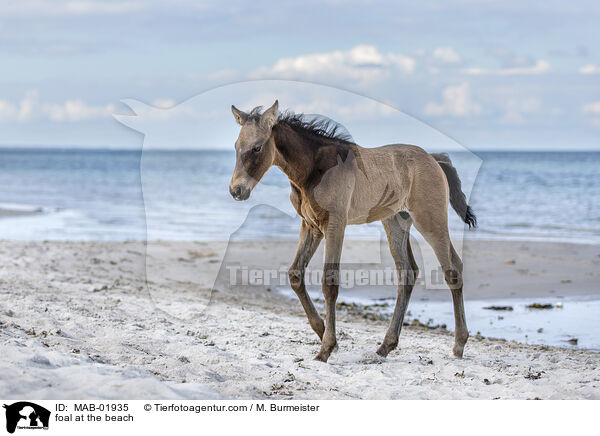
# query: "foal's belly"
{"points": [[375, 213], [374, 203], [381, 206]]}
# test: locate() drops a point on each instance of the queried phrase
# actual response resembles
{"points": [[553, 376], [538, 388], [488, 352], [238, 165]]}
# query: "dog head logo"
{"points": [[26, 415]]}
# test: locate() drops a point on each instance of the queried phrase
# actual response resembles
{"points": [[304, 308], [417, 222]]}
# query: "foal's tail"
{"points": [[457, 197]]}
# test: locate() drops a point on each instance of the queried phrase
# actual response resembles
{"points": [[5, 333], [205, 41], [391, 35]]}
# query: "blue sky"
{"points": [[492, 75]]}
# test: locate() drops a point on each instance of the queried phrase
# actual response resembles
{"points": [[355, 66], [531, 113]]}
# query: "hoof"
{"points": [[325, 351], [457, 353], [321, 357], [383, 351]]}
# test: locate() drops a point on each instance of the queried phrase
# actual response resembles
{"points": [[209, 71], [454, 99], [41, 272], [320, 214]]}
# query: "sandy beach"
{"points": [[84, 311]]}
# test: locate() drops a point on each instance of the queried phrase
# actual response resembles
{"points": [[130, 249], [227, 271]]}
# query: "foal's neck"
{"points": [[294, 155]]}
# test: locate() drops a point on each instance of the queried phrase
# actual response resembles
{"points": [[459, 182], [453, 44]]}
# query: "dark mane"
{"points": [[317, 125]]}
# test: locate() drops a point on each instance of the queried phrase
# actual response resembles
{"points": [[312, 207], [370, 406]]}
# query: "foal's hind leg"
{"points": [[397, 229], [461, 333], [434, 229], [310, 238]]}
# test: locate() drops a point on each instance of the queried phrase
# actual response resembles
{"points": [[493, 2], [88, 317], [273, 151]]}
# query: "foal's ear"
{"points": [[240, 116], [269, 117]]}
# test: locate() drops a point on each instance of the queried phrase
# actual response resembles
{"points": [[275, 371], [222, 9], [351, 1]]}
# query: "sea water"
{"points": [[183, 195]]}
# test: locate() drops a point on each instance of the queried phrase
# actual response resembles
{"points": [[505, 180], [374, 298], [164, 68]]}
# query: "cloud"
{"points": [[21, 111], [589, 69], [591, 108], [456, 102], [163, 103], [517, 108], [163, 110], [7, 111], [594, 110], [29, 107], [510, 59], [362, 63], [69, 7], [539, 67], [512, 64], [76, 110], [446, 56]]}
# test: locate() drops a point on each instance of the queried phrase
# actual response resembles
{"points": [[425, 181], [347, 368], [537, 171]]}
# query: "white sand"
{"points": [[82, 311]]}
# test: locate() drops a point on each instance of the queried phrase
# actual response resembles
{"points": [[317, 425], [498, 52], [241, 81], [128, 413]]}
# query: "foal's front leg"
{"points": [[310, 238], [334, 238]]}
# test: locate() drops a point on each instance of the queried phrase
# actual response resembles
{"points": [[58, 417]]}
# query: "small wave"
{"points": [[9, 210], [20, 208], [519, 225], [551, 227]]}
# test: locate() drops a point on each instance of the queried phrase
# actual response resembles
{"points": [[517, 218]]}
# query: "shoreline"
{"points": [[493, 269], [10, 211]]}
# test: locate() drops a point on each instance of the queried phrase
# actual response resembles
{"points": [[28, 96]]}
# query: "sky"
{"points": [[490, 75]]}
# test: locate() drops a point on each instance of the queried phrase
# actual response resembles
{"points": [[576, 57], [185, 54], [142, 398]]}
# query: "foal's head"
{"points": [[254, 149]]}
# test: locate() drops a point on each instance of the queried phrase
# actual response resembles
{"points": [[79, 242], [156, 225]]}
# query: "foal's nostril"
{"points": [[235, 192]]}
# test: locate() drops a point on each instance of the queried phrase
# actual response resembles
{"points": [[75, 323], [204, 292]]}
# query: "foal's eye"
{"points": [[257, 148]]}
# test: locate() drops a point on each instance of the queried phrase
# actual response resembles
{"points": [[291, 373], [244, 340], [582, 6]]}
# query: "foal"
{"points": [[336, 183]]}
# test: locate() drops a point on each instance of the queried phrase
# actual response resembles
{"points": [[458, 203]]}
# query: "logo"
{"points": [[26, 415]]}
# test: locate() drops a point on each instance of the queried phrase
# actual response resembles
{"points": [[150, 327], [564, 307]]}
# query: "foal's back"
{"points": [[394, 178]]}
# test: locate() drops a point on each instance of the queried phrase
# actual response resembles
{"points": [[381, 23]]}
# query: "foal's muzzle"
{"points": [[239, 192]]}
